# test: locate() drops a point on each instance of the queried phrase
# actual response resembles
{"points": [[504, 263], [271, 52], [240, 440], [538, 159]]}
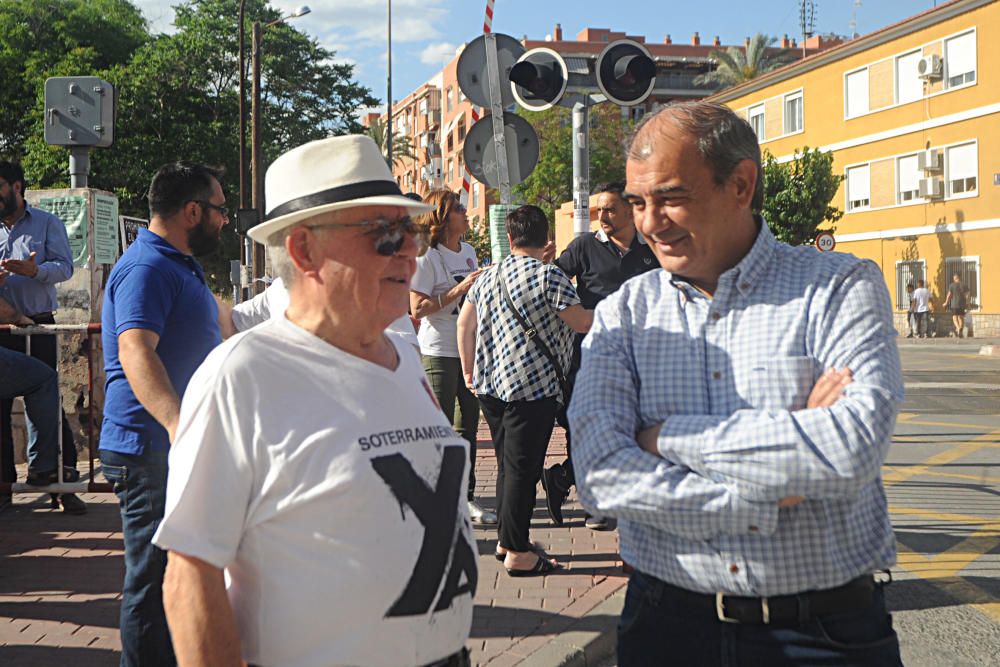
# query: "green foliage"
{"points": [[551, 183], [478, 237], [178, 94], [736, 65], [797, 195], [402, 147]]}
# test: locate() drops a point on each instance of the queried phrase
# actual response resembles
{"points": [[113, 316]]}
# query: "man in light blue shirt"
{"points": [[733, 411], [35, 256]]}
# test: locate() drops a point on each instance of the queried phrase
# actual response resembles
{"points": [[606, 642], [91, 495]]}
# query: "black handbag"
{"points": [[532, 334]]}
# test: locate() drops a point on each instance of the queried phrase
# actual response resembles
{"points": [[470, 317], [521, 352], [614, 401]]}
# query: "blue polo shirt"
{"points": [[156, 287]]}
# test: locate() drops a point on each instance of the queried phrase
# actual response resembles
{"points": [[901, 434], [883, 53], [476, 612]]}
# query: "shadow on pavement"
{"points": [[32, 656], [915, 594]]}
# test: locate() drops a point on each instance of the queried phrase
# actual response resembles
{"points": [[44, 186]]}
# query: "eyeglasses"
{"points": [[388, 234], [223, 211]]}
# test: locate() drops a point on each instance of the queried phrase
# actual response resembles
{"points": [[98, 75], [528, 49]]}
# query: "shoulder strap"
{"points": [[532, 334]]}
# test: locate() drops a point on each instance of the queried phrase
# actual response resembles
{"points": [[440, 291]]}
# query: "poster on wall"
{"points": [[105, 229], [129, 229], [72, 210]]}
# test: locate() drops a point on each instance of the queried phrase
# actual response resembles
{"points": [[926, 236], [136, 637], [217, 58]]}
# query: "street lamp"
{"points": [[257, 178], [388, 84]]}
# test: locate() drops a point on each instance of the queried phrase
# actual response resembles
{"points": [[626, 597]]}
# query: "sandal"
{"points": [[542, 566]]}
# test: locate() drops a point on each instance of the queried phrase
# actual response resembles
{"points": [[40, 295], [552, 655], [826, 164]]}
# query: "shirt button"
{"points": [[745, 286], [716, 316], [754, 529], [716, 375], [734, 568]]}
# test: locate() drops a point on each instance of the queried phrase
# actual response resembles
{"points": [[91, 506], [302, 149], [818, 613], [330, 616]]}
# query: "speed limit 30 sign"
{"points": [[825, 242]]}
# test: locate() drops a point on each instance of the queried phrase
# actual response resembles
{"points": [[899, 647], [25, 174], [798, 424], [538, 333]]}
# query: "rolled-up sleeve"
{"points": [[57, 264]]}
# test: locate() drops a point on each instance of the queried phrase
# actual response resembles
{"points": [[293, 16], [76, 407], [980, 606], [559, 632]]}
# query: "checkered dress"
{"points": [[508, 365], [729, 378]]}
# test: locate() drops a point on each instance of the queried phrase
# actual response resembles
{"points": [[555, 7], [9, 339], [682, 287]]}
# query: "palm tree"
{"points": [[402, 147], [735, 65]]}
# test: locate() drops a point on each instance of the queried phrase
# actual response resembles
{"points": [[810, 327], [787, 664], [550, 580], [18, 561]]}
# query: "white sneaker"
{"points": [[481, 516]]}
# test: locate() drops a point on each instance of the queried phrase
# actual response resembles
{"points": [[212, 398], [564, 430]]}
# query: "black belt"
{"points": [[781, 609]]}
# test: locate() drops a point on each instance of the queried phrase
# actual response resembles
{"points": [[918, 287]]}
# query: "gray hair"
{"points": [[723, 139], [281, 263]]}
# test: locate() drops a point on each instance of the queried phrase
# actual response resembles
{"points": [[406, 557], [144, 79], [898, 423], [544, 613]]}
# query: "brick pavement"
{"points": [[60, 578]]}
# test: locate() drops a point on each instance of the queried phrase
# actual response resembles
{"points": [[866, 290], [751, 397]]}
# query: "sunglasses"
{"points": [[223, 211], [388, 235]]}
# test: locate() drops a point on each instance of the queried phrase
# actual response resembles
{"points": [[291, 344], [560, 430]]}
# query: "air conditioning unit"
{"points": [[930, 160], [931, 188], [432, 171], [930, 68]]}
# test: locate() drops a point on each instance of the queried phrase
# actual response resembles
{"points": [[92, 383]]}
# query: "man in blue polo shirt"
{"points": [[600, 263], [159, 322]]}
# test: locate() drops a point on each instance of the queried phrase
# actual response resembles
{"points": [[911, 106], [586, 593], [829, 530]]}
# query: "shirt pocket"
{"points": [[783, 383]]}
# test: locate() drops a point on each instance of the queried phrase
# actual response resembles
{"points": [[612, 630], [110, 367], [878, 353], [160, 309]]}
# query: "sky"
{"points": [[426, 33]]}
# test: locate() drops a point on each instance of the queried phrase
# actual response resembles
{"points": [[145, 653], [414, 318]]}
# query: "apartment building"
{"points": [[437, 116], [910, 113]]}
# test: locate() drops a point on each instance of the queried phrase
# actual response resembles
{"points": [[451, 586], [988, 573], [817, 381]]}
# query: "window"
{"points": [[967, 269], [960, 59], [756, 116], [907, 273], [451, 142], [962, 169], [461, 128], [636, 113], [793, 113], [451, 170], [858, 188], [475, 195], [422, 108], [857, 93], [447, 99], [908, 179], [909, 85]]}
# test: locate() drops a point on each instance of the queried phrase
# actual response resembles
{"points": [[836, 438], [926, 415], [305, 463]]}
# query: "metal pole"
{"points": [[388, 86], [255, 156], [581, 167], [496, 111], [238, 285], [79, 166]]}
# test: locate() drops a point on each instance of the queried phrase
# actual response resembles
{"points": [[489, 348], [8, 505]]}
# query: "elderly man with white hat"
{"points": [[315, 505]]}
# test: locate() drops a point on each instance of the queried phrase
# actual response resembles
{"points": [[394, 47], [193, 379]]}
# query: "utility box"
{"points": [[79, 111]]}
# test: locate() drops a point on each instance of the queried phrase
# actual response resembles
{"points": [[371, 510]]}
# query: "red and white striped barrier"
{"points": [[466, 176]]}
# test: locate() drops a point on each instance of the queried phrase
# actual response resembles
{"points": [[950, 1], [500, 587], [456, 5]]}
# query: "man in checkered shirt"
{"points": [[733, 411]]}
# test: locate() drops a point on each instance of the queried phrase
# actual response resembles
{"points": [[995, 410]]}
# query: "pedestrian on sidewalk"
{"points": [[600, 263], [35, 257], [444, 275], [316, 508], [515, 338], [159, 322], [733, 411], [922, 309], [911, 313], [955, 302]]}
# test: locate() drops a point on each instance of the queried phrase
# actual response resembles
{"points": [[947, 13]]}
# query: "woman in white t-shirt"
{"points": [[443, 278]]}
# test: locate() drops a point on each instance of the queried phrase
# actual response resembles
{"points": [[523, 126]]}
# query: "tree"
{"points": [[402, 147], [551, 182], [177, 94], [797, 195], [736, 65]]}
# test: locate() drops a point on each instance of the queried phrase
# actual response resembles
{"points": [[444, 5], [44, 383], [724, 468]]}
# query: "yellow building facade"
{"points": [[911, 114]]}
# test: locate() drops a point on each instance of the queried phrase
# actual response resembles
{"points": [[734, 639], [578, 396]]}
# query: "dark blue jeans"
{"points": [[140, 483], [657, 628]]}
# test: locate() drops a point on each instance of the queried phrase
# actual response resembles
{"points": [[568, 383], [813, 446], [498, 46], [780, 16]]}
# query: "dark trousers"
{"points": [[140, 482], [521, 431], [43, 348], [658, 628], [460, 406], [567, 476], [923, 322]]}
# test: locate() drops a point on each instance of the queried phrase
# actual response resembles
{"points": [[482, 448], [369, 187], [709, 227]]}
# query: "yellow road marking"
{"points": [[949, 517], [947, 424], [948, 581], [986, 479], [905, 416]]}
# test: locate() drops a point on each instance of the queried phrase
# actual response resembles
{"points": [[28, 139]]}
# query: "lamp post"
{"points": [[257, 178], [388, 85]]}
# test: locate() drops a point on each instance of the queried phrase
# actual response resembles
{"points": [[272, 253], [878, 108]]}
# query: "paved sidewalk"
{"points": [[60, 578]]}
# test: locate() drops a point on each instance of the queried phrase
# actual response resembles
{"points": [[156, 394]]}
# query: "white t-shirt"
{"points": [[438, 271], [273, 302], [333, 492], [922, 296]]}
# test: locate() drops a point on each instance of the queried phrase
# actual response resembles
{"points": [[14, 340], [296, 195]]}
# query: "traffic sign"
{"points": [[79, 111], [472, 72], [480, 150], [825, 242]]}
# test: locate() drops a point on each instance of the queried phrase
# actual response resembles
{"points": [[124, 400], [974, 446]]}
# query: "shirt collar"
{"points": [[158, 242], [754, 265], [602, 236]]}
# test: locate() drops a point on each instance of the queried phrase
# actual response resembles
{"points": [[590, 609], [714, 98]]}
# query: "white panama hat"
{"points": [[328, 175]]}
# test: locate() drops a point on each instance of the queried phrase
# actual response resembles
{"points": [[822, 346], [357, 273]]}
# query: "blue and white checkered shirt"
{"points": [[729, 377]]}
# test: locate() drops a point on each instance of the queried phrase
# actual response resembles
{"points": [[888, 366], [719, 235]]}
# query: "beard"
{"points": [[203, 239], [8, 205]]}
